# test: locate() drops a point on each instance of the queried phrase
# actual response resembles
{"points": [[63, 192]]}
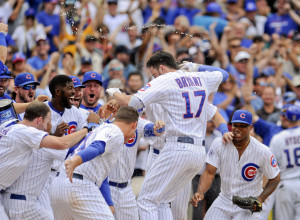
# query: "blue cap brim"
{"points": [[5, 77], [81, 86], [29, 82], [240, 121]]}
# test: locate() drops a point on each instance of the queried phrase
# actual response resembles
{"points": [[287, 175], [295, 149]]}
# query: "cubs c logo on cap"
{"points": [[132, 140], [93, 75], [249, 171], [273, 161], [242, 115], [28, 76], [74, 80]]}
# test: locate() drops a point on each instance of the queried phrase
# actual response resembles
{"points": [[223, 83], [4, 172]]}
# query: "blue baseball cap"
{"points": [[232, 1], [293, 113], [289, 97], [242, 116], [250, 6], [5, 73], [29, 12], [268, 71], [91, 75], [76, 82], [24, 79], [19, 56], [284, 108], [213, 8]]}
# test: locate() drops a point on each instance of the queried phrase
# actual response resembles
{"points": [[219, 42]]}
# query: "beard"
{"points": [[65, 101]]}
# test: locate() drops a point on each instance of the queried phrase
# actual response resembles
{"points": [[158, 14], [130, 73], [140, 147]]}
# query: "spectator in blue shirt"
{"points": [[51, 23], [280, 22], [39, 62]]}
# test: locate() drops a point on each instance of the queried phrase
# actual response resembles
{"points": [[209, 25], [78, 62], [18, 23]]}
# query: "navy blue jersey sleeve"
{"points": [[266, 130], [105, 191]]}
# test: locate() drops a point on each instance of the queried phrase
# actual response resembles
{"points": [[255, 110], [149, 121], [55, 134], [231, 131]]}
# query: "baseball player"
{"points": [[183, 96], [91, 93], [18, 140], [98, 152], [242, 165], [119, 177], [286, 146]]}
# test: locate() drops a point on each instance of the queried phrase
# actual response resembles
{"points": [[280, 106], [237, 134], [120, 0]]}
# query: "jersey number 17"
{"points": [[186, 96]]}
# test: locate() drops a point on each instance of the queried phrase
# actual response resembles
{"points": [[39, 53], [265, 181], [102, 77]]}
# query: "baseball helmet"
{"points": [[293, 113]]}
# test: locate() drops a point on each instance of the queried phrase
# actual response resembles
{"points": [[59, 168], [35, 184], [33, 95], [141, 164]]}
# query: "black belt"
{"points": [[155, 151], [75, 176], [2, 191], [18, 197], [119, 185]]}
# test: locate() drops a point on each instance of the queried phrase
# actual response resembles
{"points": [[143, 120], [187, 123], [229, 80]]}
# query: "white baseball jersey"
{"points": [[97, 169], [74, 118], [124, 168], [17, 142], [286, 148], [184, 98], [242, 177]]}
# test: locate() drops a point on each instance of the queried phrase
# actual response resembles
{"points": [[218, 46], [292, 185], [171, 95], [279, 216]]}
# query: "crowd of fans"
{"points": [[257, 42]]}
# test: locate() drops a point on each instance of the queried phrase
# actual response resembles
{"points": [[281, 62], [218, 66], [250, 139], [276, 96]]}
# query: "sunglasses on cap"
{"points": [[115, 69], [27, 87]]}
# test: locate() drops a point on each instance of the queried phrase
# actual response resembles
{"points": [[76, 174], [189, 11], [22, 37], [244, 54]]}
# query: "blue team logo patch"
{"points": [[132, 141], [249, 171], [273, 161], [145, 87], [72, 127]]}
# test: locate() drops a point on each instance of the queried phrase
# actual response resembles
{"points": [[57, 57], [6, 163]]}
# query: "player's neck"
{"points": [[57, 105], [89, 105], [242, 145]]}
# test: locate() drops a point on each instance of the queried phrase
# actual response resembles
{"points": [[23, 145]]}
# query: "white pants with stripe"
{"points": [[2, 211], [27, 209], [174, 168], [125, 203], [80, 200], [223, 209]]}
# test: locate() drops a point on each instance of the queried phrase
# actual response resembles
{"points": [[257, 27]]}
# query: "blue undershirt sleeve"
{"points": [[105, 191], [213, 68], [95, 149]]}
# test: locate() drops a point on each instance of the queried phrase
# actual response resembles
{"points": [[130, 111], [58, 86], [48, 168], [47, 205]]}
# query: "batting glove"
{"points": [[111, 91], [189, 66]]}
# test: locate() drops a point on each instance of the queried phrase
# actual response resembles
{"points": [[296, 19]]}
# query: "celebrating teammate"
{"points": [[18, 140], [242, 165], [285, 146], [99, 153], [183, 97]]}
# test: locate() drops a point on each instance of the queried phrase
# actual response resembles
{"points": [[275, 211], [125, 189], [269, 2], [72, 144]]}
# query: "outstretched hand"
{"points": [[71, 165], [159, 128], [196, 198]]}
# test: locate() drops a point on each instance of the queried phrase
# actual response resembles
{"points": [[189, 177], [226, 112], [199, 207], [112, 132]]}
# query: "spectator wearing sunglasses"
{"points": [[115, 71], [5, 75]]}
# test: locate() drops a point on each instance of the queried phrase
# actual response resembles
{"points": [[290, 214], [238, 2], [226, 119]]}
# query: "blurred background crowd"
{"points": [[257, 42]]}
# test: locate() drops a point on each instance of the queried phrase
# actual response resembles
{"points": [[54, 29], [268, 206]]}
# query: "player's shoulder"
{"points": [[217, 143], [258, 145]]}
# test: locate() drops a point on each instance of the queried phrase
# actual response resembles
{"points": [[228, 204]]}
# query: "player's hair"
{"points": [[127, 114], [58, 81], [135, 74], [162, 58], [35, 110]]}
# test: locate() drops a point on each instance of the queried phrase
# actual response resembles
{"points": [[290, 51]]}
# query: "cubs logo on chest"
{"points": [[132, 141], [249, 171], [72, 127]]}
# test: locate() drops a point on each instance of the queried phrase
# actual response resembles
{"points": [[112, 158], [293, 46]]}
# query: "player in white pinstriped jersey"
{"points": [[286, 147], [18, 141], [242, 165], [183, 96], [119, 177], [179, 205], [98, 152]]}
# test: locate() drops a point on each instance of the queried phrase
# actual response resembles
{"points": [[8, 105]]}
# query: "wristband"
{"points": [[223, 128], [2, 39]]}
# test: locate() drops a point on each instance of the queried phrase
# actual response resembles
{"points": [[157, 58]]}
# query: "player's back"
{"points": [[184, 99], [286, 147]]}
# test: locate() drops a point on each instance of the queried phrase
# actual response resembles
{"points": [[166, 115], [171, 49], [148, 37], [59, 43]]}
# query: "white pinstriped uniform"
{"points": [[123, 198], [179, 206], [241, 177], [183, 97], [17, 142], [286, 148], [76, 121], [82, 198]]}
